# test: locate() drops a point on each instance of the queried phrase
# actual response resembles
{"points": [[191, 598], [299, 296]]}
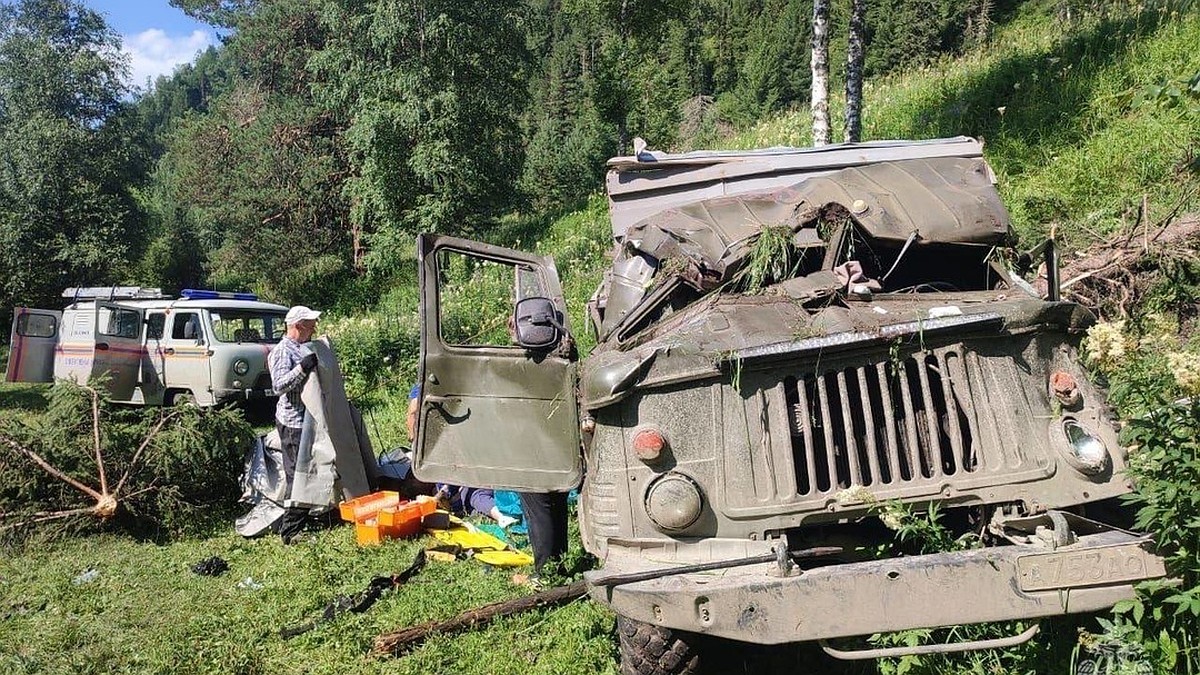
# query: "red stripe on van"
{"points": [[14, 359]]}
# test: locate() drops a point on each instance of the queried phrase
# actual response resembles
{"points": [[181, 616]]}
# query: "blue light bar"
{"points": [[201, 294]]}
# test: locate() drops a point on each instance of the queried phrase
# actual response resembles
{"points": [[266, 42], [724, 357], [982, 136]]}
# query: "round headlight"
{"points": [[1088, 453], [673, 501], [241, 366]]}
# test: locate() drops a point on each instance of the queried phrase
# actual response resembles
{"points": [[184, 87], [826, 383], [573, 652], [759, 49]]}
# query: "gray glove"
{"points": [[308, 363]]}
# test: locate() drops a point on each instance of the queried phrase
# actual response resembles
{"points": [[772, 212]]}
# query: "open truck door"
{"points": [[31, 347], [497, 371], [118, 347]]}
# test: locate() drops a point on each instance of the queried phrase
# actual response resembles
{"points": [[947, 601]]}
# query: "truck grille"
{"points": [[911, 420]]}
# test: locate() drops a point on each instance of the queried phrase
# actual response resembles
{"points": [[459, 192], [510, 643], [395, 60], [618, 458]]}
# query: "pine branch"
{"points": [[48, 468], [96, 437], [46, 516], [145, 443]]}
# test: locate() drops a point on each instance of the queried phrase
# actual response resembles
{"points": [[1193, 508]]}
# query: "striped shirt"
{"points": [[287, 377]]}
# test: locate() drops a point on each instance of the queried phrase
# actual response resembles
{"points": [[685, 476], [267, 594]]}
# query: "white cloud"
{"points": [[152, 53]]}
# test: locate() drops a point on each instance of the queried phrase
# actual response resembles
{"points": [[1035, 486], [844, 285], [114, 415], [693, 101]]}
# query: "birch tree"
{"points": [[854, 70], [820, 73]]}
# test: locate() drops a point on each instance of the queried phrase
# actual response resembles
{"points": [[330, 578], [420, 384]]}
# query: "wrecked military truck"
{"points": [[788, 340]]}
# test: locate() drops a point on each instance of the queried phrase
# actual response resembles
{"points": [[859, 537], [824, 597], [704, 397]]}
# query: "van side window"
{"points": [[186, 327], [36, 325], [117, 322], [154, 326]]}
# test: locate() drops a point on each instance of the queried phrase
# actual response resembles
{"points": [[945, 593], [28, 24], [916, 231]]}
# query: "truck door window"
{"points": [[36, 325], [186, 327], [124, 323], [476, 298], [155, 323]]}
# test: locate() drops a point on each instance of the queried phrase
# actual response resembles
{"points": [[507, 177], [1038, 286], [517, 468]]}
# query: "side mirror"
{"points": [[537, 324]]}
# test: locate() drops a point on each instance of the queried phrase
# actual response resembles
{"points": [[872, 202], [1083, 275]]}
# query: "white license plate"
{"points": [[1100, 566]]}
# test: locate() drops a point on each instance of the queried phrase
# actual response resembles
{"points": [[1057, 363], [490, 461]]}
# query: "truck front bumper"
{"points": [[757, 604], [223, 395]]}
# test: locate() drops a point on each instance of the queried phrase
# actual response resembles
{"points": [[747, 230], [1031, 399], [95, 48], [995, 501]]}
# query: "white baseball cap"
{"points": [[300, 313]]}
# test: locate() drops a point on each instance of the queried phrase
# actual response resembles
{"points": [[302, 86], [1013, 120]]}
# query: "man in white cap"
{"points": [[290, 362]]}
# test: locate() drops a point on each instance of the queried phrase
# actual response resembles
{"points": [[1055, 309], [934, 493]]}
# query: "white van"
{"points": [[204, 346]]}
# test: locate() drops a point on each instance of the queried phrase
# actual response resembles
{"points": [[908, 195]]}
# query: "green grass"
{"points": [[22, 401], [147, 612]]}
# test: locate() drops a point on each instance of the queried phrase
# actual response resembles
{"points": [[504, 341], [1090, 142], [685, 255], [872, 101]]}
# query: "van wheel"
{"points": [[180, 397], [652, 650]]}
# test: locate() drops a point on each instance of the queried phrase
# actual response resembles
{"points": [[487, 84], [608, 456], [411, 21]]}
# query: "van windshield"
{"points": [[246, 326]]}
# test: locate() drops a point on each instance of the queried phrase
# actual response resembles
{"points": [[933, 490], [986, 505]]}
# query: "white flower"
{"points": [[1185, 366], [892, 519], [855, 494], [1107, 344]]}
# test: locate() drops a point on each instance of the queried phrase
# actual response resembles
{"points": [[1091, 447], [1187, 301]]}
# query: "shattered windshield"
{"points": [[246, 326]]}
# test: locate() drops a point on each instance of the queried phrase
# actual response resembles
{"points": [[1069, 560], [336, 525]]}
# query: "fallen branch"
{"points": [[106, 501], [400, 641]]}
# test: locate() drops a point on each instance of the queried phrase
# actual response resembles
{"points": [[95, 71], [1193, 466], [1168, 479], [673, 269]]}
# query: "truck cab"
{"points": [[204, 347], [788, 342]]}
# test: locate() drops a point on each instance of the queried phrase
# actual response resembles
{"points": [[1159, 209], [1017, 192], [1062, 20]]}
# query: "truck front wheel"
{"points": [[651, 650]]}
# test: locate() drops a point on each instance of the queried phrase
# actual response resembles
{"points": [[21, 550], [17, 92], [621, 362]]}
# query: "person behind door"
{"points": [[290, 363]]}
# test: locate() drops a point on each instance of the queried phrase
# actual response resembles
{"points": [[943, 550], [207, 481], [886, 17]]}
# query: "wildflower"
{"points": [[1159, 332], [892, 519], [1185, 366], [1106, 344], [855, 494]]}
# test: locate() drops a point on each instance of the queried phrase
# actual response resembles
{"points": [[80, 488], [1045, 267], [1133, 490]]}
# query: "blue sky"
{"points": [[156, 36]]}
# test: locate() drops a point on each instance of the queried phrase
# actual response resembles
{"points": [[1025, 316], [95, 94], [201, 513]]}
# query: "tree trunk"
{"points": [[820, 73], [854, 70], [404, 639]]}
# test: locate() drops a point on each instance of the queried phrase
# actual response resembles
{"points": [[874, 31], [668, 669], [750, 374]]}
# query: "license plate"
{"points": [[1100, 566]]}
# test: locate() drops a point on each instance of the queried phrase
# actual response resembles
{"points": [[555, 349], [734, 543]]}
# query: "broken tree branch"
{"points": [[400, 641], [45, 516], [96, 437], [162, 421], [48, 468]]}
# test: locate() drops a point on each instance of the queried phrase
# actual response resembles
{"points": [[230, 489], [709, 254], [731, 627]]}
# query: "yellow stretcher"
{"points": [[485, 547]]}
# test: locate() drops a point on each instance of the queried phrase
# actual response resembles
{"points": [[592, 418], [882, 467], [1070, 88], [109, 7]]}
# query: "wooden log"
{"points": [[400, 641]]}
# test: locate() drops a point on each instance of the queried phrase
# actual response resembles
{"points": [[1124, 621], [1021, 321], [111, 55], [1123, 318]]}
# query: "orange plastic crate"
{"points": [[368, 532], [404, 520], [367, 506]]}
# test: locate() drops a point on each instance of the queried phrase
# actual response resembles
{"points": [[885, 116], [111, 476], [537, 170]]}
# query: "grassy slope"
{"points": [[1068, 148]]}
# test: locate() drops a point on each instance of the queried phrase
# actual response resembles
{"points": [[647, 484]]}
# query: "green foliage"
{"points": [[1182, 93], [432, 92], [146, 612], [1148, 380], [69, 153], [187, 466], [772, 259]]}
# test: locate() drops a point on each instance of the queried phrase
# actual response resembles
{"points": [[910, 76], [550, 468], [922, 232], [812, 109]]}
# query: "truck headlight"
{"points": [[1087, 453], [673, 501], [241, 366]]}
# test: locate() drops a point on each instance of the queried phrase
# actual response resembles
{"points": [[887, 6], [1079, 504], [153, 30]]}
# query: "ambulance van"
{"points": [[204, 347]]}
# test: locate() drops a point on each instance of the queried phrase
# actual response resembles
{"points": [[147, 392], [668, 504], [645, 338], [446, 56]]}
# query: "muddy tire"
{"points": [[651, 650]]}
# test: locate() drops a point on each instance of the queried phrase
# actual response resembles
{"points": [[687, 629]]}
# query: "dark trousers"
{"points": [[546, 517], [294, 517]]}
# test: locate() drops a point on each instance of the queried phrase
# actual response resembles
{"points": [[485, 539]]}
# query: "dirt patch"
{"points": [[1114, 277]]}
